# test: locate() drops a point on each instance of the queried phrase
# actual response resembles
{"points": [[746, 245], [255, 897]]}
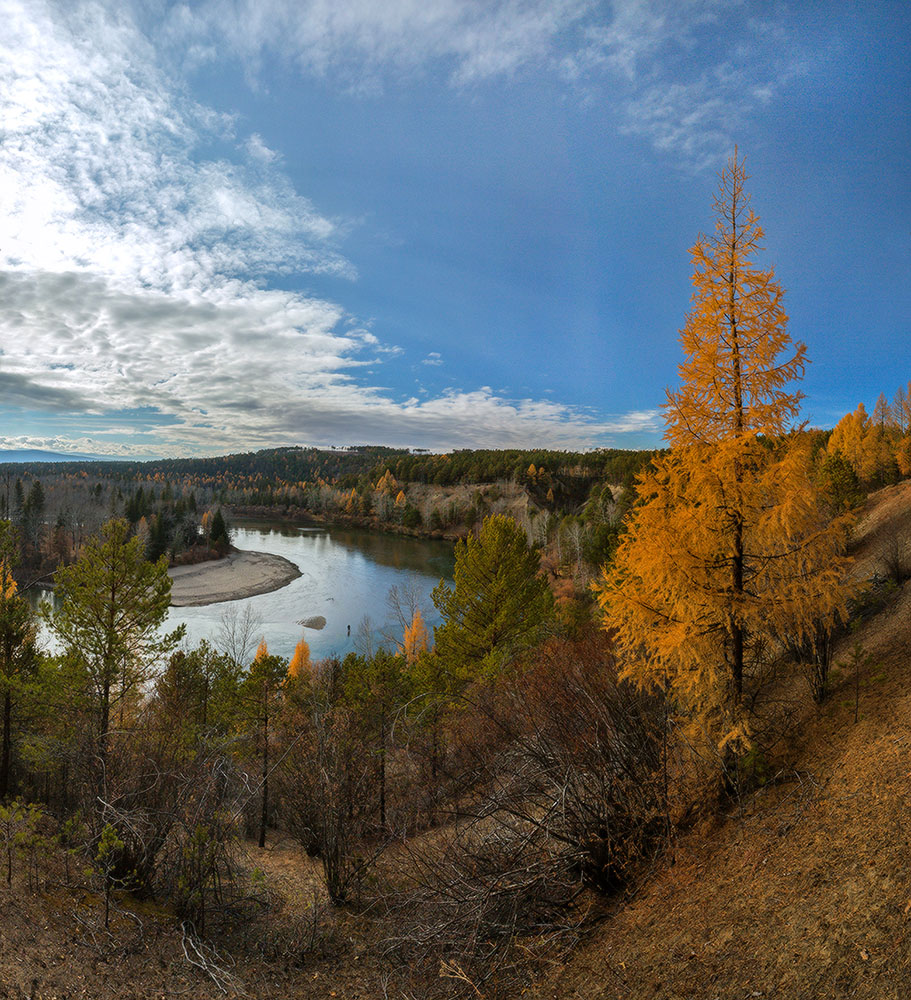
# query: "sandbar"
{"points": [[240, 574]]}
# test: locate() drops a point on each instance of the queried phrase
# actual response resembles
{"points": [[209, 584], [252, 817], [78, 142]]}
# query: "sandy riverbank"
{"points": [[240, 574]]}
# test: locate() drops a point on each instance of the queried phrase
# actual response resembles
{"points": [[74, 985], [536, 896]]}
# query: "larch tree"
{"points": [[727, 549], [415, 639], [300, 667], [900, 408], [847, 438]]}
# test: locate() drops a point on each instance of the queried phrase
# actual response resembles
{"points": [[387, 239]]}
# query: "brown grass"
{"points": [[804, 892]]}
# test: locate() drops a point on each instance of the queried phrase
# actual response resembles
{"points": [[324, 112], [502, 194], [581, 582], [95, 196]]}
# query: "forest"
{"points": [[461, 805]]}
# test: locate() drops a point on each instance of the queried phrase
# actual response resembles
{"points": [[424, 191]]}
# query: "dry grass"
{"points": [[806, 892]]}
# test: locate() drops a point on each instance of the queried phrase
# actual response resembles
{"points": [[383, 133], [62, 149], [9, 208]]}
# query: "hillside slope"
{"points": [[806, 891]]}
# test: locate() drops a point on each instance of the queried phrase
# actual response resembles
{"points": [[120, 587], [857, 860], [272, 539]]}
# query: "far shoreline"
{"points": [[240, 574]]}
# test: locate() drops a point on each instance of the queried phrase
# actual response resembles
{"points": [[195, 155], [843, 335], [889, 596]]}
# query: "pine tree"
{"points": [[261, 690], [112, 603], [500, 604], [18, 647], [727, 548]]}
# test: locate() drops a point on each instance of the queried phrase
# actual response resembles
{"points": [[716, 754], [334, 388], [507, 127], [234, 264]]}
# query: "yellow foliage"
{"points": [[300, 661], [400, 500], [386, 483], [416, 639], [903, 456], [727, 549], [847, 438], [262, 650]]}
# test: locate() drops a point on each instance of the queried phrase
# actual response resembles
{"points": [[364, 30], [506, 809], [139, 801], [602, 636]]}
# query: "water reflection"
{"points": [[346, 574]]}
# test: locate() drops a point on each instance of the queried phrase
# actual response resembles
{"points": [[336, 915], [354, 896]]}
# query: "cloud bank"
{"points": [[143, 233]]}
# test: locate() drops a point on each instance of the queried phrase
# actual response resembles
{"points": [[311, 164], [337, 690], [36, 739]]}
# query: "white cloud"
{"points": [[259, 151], [360, 41], [73, 446], [658, 64], [101, 166], [134, 263]]}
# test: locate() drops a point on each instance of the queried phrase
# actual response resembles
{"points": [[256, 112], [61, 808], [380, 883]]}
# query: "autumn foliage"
{"points": [[727, 549]]}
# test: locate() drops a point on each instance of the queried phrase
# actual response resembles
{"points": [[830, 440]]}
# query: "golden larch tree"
{"points": [[727, 550], [847, 438], [416, 639], [299, 667]]}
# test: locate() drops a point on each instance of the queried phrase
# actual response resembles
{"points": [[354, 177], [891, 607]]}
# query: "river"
{"points": [[346, 574]]}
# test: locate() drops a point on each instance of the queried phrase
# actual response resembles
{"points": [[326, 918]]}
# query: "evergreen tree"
{"points": [[219, 536], [500, 605], [112, 605], [18, 647], [261, 692]]}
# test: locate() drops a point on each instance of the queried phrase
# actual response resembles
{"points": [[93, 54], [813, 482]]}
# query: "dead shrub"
{"points": [[565, 792]]}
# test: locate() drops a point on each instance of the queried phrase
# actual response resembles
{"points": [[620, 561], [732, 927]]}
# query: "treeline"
{"points": [[53, 517], [281, 467], [876, 448], [378, 487], [610, 465]]}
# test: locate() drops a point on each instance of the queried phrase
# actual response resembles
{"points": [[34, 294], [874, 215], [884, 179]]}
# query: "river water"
{"points": [[346, 574]]}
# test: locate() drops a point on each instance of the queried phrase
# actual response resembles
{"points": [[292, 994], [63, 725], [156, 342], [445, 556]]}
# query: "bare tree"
{"points": [[238, 633]]}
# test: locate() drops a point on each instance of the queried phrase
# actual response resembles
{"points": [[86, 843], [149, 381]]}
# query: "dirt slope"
{"points": [[807, 892]]}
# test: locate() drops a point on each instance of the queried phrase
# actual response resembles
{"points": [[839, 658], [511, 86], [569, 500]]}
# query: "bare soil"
{"points": [[805, 891]]}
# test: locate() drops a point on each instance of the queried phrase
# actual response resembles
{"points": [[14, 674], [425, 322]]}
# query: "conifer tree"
{"points": [[500, 604], [261, 690], [18, 647], [112, 605], [848, 437], [415, 640], [299, 668], [727, 548]]}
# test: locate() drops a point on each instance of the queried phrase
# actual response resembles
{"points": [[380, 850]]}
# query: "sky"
{"points": [[238, 224]]}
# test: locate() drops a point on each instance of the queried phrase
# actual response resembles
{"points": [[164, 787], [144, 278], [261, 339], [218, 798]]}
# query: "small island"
{"points": [[239, 574]]}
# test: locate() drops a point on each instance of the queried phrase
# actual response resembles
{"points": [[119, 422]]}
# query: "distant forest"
{"points": [[175, 503], [348, 467]]}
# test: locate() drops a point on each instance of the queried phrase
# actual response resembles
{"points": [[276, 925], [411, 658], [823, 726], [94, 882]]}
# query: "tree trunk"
{"points": [[264, 814], [7, 744]]}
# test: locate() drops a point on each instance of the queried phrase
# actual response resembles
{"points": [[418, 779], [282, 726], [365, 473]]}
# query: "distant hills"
{"points": [[18, 456]]}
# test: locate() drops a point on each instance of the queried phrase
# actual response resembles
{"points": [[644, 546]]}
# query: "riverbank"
{"points": [[298, 515], [240, 574]]}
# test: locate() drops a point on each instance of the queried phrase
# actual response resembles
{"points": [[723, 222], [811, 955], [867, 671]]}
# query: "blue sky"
{"points": [[238, 224]]}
